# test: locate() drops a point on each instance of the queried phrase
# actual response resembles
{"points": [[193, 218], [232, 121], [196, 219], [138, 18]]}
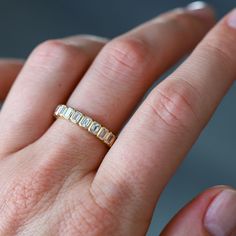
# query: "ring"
{"points": [[93, 127]]}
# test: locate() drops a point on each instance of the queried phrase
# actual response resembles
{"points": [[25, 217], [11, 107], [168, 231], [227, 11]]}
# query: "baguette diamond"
{"points": [[68, 113], [109, 138], [85, 122], [60, 110], [94, 128], [102, 133], [75, 118]]}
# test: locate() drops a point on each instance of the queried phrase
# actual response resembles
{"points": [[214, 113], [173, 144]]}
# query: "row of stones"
{"points": [[76, 117]]}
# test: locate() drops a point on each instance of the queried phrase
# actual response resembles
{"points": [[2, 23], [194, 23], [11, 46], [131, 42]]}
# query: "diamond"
{"points": [[68, 112], [110, 139], [94, 127], [57, 111], [75, 118], [60, 110], [85, 122], [102, 133]]}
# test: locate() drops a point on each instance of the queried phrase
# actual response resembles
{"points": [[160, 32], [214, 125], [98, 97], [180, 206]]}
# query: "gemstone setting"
{"points": [[57, 111], [76, 117], [85, 122], [60, 110], [102, 133], [94, 127], [110, 138], [68, 113]]}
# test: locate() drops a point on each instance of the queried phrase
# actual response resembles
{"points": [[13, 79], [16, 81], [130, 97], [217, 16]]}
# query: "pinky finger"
{"points": [[9, 69], [211, 213]]}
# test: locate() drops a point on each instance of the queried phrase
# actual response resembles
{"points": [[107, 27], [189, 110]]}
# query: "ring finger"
{"points": [[52, 70]]}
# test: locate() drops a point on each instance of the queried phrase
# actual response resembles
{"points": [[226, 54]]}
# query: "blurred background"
{"points": [[211, 161]]}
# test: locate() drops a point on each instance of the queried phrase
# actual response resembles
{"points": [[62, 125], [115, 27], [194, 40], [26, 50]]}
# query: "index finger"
{"points": [[164, 128]]}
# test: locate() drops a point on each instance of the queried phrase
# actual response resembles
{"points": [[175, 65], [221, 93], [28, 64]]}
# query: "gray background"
{"points": [[23, 24]]}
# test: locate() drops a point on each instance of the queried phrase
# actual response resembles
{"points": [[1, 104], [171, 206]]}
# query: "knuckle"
{"points": [[112, 200], [53, 48], [220, 50], [115, 195], [56, 53], [175, 105], [219, 46], [128, 53]]}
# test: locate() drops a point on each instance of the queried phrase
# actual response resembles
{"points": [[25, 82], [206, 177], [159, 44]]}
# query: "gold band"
{"points": [[77, 117]]}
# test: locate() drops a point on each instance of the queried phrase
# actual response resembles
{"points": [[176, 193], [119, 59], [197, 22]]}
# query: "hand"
{"points": [[57, 179]]}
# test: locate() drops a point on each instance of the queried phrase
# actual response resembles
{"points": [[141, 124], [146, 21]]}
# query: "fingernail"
{"points": [[200, 9], [220, 219], [232, 19]]}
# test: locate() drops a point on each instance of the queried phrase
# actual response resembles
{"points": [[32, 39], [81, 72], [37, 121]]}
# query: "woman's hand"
{"points": [[57, 179]]}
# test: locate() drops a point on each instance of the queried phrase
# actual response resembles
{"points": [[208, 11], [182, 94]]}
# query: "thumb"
{"points": [[9, 70], [211, 213]]}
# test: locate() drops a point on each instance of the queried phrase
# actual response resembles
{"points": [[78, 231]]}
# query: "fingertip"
{"points": [[201, 10], [231, 19], [193, 214], [220, 215]]}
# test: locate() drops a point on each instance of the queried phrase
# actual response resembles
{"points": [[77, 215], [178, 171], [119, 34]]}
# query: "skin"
{"points": [[56, 179]]}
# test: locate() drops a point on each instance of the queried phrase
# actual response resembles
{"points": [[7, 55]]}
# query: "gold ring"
{"points": [[78, 118]]}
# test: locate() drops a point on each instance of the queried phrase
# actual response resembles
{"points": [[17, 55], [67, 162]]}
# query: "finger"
{"points": [[164, 128], [48, 78], [211, 213], [9, 69], [124, 70]]}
